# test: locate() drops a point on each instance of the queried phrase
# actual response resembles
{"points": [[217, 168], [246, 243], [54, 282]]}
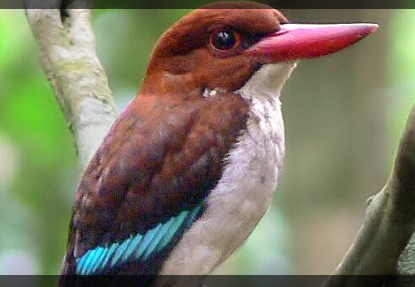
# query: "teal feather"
{"points": [[111, 249], [132, 247], [120, 250], [157, 238], [99, 260], [139, 247], [81, 262], [147, 239], [88, 261], [95, 255], [173, 228]]}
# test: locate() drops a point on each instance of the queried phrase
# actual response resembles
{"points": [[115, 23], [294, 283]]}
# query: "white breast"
{"points": [[244, 193]]}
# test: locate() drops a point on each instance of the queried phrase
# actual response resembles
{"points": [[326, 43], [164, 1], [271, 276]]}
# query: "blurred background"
{"points": [[344, 115]]}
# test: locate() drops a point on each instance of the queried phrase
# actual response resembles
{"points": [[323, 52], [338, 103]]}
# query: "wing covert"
{"points": [[147, 182]]}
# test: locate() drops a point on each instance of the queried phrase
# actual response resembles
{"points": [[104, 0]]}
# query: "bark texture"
{"points": [[381, 246], [68, 57]]}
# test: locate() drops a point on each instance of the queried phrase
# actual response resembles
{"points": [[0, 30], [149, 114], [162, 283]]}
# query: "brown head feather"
{"points": [[184, 61]]}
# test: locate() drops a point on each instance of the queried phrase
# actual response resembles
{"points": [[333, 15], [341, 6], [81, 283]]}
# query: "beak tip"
{"points": [[371, 27], [363, 30]]}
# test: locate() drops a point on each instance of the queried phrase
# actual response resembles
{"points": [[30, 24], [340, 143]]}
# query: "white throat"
{"points": [[244, 192], [268, 81]]}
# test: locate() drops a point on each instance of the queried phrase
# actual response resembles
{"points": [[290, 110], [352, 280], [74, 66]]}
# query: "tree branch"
{"points": [[68, 57], [388, 226]]}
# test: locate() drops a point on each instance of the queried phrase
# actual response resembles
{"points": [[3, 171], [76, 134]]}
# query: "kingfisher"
{"points": [[189, 168]]}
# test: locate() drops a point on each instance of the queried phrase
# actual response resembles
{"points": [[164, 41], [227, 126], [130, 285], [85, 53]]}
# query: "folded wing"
{"points": [[148, 182]]}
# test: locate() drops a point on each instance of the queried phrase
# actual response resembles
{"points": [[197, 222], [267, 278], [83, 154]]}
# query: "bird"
{"points": [[189, 168]]}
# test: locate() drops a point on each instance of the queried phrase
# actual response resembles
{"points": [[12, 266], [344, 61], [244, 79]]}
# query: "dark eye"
{"points": [[224, 40]]}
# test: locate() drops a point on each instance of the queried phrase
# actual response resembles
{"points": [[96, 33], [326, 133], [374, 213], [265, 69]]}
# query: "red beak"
{"points": [[306, 41]]}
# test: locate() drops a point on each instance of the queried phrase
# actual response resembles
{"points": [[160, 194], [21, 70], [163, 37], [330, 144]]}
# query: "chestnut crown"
{"points": [[205, 49]]}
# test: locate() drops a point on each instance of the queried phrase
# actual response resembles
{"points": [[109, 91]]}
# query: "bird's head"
{"points": [[223, 45]]}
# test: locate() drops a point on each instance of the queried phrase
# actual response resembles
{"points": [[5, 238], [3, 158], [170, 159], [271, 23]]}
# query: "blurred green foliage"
{"points": [[38, 165]]}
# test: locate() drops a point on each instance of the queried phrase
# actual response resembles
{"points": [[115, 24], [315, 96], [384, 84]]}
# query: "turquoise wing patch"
{"points": [[138, 247]]}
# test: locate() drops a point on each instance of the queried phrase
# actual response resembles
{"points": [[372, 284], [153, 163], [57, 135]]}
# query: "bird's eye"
{"points": [[224, 40]]}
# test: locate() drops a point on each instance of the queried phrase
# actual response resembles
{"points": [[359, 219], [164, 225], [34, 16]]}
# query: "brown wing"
{"points": [[161, 157]]}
